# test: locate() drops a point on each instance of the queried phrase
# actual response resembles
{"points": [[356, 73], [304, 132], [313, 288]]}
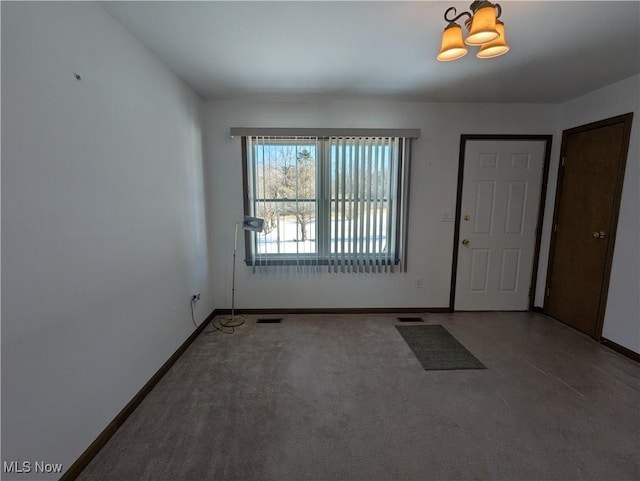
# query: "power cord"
{"points": [[192, 318], [220, 328]]}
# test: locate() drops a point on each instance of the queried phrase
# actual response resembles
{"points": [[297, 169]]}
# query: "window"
{"points": [[337, 201]]}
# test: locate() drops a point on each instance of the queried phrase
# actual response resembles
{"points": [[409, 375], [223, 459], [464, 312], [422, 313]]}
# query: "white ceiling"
{"points": [[559, 50]]}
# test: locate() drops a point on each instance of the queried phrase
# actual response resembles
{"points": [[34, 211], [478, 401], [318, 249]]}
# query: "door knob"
{"points": [[599, 235], [466, 242]]}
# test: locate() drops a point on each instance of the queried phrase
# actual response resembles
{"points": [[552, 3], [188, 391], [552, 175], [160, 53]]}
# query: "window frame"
{"points": [[322, 257]]}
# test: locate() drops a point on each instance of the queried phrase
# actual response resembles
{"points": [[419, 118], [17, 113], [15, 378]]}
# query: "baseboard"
{"points": [[339, 310], [621, 349], [85, 458]]}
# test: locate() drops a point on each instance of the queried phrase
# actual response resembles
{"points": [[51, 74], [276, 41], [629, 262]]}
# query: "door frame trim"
{"points": [[543, 194], [626, 120]]}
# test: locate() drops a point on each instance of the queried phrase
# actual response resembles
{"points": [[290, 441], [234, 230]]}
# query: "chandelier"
{"points": [[485, 31]]}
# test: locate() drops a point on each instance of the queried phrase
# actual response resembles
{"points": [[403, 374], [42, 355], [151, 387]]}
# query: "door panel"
{"points": [[501, 189], [516, 203], [485, 200], [586, 213], [510, 270], [479, 270]]}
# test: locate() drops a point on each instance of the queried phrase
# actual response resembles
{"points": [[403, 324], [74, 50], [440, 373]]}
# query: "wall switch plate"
{"points": [[418, 283], [447, 216]]}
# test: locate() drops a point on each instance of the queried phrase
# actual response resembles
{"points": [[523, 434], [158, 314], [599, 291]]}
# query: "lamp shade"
{"points": [[496, 47], [452, 44], [483, 26], [252, 223]]}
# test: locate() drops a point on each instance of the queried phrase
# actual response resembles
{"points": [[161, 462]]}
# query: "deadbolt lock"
{"points": [[600, 235], [466, 242]]}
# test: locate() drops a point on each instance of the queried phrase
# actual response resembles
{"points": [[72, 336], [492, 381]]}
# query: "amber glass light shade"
{"points": [[483, 26], [496, 47], [452, 44]]}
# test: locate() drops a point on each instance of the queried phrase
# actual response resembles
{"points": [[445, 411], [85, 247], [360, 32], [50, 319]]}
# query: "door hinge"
{"points": [[548, 291], [563, 161], [555, 227]]}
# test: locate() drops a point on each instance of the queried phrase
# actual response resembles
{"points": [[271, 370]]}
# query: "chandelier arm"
{"points": [[478, 4], [452, 20]]}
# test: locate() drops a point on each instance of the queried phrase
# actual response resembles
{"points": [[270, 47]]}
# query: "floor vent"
{"points": [[410, 319], [270, 320]]}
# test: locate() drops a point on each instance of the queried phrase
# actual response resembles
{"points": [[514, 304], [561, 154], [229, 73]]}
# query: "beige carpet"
{"points": [[344, 398]]}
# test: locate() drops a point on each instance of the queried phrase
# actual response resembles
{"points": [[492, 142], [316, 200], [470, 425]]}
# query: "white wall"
{"points": [[103, 225], [622, 318], [433, 190]]}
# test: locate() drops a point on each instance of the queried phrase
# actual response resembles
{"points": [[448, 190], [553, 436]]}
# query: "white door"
{"points": [[501, 187]]}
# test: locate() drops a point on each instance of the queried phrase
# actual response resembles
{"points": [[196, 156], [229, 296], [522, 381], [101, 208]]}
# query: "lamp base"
{"points": [[231, 321]]}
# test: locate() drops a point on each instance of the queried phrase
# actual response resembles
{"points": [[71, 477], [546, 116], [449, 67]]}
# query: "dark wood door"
{"points": [[585, 220]]}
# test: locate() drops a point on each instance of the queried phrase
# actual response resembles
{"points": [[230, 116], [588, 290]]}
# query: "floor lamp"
{"points": [[253, 224]]}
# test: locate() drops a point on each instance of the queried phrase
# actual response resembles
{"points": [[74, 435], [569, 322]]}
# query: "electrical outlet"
{"points": [[195, 297], [418, 283]]}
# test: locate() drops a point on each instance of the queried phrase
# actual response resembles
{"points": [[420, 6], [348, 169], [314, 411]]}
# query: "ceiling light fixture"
{"points": [[485, 31]]}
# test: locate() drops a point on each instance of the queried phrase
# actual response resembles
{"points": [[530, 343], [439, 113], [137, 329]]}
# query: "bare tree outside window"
{"points": [[286, 192]]}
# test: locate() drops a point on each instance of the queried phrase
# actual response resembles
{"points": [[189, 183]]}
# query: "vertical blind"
{"points": [[338, 203]]}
